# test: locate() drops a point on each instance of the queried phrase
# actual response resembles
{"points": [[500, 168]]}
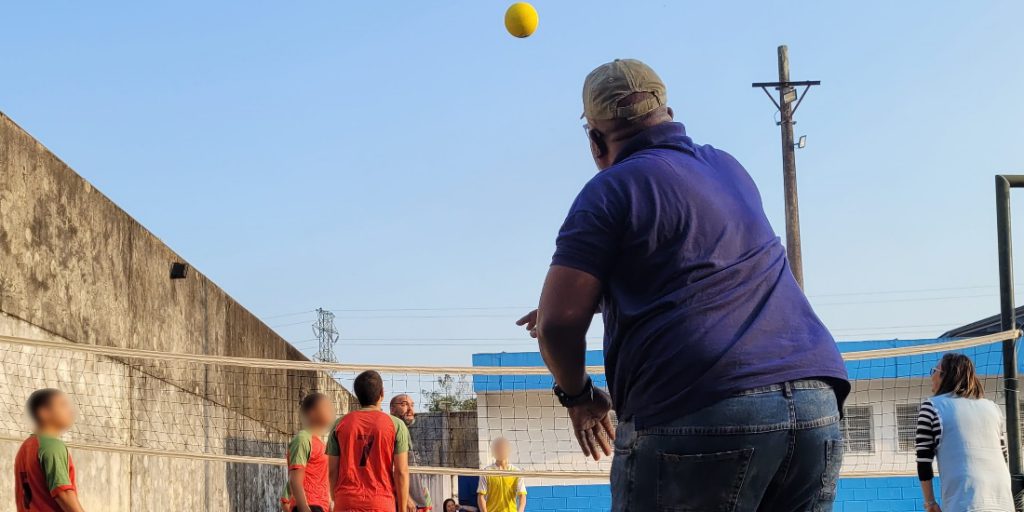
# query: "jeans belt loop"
{"points": [[787, 389]]}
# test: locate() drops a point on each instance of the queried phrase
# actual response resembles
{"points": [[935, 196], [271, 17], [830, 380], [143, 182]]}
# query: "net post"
{"points": [[1009, 322]]}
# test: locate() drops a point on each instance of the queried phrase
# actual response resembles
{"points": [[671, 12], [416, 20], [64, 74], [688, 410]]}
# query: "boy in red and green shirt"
{"points": [[44, 475], [307, 458], [369, 454]]}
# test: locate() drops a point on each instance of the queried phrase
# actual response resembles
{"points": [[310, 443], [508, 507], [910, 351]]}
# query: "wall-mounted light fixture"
{"points": [[179, 270]]}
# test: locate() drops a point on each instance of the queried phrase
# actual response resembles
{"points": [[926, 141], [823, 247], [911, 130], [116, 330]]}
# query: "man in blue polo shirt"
{"points": [[726, 384]]}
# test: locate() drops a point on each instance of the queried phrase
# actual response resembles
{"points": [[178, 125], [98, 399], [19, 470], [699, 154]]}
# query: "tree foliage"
{"points": [[450, 395]]}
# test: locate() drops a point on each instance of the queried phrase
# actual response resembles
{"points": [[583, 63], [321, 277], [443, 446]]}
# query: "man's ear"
{"points": [[671, 114]]}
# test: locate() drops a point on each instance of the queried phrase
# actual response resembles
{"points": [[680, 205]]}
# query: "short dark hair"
{"points": [[310, 401], [368, 387], [38, 399]]}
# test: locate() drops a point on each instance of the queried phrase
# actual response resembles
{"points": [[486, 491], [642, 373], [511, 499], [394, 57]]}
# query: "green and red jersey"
{"points": [[308, 452], [366, 442], [42, 469]]}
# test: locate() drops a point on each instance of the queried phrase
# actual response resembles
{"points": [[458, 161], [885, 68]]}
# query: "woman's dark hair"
{"points": [[444, 506], [368, 387], [958, 377]]}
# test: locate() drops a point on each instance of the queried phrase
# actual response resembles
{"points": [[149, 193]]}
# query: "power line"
{"points": [[303, 322], [895, 292], [527, 308], [271, 317], [392, 317], [462, 308], [917, 299]]}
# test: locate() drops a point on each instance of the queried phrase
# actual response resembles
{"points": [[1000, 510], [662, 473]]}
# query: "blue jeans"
{"points": [[772, 449]]}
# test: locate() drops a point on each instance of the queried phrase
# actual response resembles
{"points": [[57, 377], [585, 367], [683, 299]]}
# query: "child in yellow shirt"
{"points": [[501, 493]]}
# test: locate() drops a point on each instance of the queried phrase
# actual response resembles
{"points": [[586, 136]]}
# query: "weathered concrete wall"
{"points": [[74, 267], [446, 439]]}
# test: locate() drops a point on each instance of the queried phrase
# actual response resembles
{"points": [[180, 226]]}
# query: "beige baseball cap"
{"points": [[607, 85]]}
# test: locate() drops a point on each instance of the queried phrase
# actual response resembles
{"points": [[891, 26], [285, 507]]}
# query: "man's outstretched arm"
{"points": [[567, 305]]}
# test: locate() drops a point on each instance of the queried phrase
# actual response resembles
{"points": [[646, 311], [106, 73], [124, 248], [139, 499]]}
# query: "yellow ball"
{"points": [[521, 19]]}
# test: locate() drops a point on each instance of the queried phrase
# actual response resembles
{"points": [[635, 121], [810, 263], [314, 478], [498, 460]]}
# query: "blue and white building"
{"points": [[880, 418]]}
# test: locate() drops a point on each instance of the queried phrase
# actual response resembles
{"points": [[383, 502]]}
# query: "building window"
{"points": [[858, 430], [906, 425]]}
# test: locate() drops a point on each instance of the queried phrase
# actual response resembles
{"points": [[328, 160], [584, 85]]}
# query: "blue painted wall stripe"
{"points": [[893, 494]]}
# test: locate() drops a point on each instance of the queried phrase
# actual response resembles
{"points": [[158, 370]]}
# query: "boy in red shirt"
{"points": [[369, 454], [44, 476], [307, 457]]}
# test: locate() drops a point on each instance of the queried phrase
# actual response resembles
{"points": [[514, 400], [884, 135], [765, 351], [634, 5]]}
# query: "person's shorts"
{"points": [[314, 508]]}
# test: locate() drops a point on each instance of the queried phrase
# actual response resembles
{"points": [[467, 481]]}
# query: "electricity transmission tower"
{"points": [[327, 334]]}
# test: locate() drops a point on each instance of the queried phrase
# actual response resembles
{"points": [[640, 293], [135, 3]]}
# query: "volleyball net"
{"points": [[245, 410]]}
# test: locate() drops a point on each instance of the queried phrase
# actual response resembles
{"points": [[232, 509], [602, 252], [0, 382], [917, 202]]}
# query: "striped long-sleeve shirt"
{"points": [[929, 435]]}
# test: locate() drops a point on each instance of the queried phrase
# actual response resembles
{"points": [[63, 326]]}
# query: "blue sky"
{"points": [[395, 156]]}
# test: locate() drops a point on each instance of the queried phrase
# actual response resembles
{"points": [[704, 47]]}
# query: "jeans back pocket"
{"points": [[701, 482]]}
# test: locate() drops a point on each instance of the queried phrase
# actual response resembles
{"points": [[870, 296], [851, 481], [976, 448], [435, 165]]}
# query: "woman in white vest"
{"points": [[966, 433]]}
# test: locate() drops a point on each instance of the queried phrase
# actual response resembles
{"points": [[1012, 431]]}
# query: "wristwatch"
{"points": [[586, 395]]}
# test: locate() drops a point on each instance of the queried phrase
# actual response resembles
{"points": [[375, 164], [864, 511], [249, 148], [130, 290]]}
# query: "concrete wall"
{"points": [[446, 439], [74, 267]]}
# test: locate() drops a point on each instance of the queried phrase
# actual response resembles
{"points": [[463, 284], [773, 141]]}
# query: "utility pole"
{"points": [[327, 334], [787, 104]]}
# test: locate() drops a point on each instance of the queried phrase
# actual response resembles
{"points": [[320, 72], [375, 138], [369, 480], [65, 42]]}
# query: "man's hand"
{"points": [[529, 320], [410, 506], [592, 424], [934, 507]]}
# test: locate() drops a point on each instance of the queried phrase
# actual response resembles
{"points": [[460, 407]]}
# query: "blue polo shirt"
{"points": [[698, 300]]}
